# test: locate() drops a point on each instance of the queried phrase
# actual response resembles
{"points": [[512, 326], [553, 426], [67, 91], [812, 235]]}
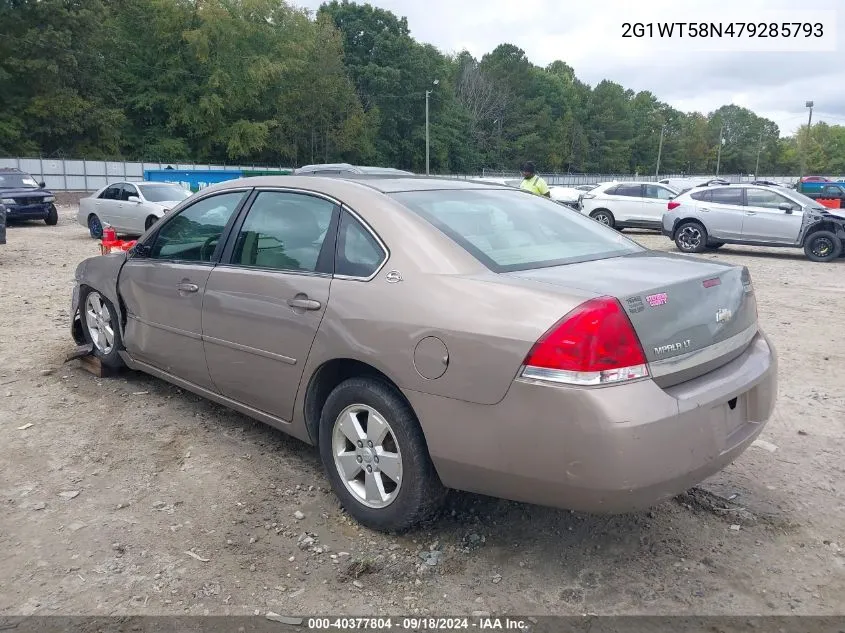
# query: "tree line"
{"points": [[263, 82]]}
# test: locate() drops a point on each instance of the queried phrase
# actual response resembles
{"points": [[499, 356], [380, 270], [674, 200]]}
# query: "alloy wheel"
{"points": [[98, 320], [367, 456], [689, 238]]}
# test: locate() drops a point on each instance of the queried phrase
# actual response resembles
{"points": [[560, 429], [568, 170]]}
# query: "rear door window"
{"points": [[727, 195]]}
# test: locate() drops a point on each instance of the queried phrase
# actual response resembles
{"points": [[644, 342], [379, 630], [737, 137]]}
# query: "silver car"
{"points": [[754, 215]]}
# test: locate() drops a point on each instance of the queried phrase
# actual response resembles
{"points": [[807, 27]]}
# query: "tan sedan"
{"points": [[430, 334]]}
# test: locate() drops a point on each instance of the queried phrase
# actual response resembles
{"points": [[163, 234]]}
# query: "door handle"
{"points": [[303, 303], [705, 209], [187, 287], [750, 213]]}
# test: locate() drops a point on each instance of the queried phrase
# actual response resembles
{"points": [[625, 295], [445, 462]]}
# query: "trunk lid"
{"points": [[691, 316]]}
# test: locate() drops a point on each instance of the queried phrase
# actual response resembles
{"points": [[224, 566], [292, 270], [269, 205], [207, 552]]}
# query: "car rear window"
{"points": [[508, 230]]}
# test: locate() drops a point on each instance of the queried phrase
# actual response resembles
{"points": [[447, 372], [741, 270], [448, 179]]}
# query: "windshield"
{"points": [[806, 201], [512, 230], [164, 193], [17, 181]]}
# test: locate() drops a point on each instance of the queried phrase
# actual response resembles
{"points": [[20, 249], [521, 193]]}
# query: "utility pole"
{"points": [[757, 166], [659, 151], [807, 104], [719, 155], [427, 95]]}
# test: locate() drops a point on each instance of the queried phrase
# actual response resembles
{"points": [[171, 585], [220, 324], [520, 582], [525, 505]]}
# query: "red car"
{"points": [[814, 179]]}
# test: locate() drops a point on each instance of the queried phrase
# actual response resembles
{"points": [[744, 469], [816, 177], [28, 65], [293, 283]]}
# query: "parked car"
{"points": [[628, 204], [430, 333], [569, 196], [2, 224], [753, 215], [128, 207], [26, 199], [345, 169], [585, 187]]}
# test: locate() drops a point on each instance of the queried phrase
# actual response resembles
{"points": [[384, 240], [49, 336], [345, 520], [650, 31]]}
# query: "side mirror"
{"points": [[140, 250], [134, 199], [785, 207], [42, 185]]}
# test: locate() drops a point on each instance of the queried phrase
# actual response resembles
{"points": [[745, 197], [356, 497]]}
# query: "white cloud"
{"points": [[688, 74]]}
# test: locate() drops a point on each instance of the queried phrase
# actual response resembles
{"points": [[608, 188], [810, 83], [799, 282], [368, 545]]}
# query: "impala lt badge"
{"points": [[672, 347], [723, 315], [657, 300]]}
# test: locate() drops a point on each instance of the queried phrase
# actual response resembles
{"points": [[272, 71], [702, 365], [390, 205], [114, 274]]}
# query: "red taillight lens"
{"points": [[594, 344], [673, 205]]}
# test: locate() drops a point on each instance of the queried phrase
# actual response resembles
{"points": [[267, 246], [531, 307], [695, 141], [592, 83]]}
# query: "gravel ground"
{"points": [[128, 496]]}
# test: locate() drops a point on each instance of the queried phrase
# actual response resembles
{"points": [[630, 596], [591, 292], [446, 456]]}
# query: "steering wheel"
{"points": [[205, 254]]}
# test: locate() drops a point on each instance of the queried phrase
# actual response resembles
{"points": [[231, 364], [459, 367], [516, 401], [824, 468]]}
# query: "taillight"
{"points": [[673, 205], [594, 344]]}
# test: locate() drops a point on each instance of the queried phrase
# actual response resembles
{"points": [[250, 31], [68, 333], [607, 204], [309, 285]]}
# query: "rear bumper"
{"points": [[668, 226], [613, 449]]}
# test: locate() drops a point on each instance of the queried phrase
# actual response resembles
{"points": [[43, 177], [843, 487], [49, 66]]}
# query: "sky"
{"points": [[774, 77]]}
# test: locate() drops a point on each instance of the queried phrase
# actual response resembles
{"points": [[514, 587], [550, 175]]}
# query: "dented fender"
{"points": [[99, 273]]}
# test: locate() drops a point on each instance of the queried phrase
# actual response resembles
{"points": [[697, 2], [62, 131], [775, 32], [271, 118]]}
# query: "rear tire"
{"points": [[95, 227], [101, 328], [691, 237], [372, 412], [822, 246], [603, 216], [52, 218]]}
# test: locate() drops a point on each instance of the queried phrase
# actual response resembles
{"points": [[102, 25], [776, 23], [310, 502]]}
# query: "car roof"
{"points": [[380, 183]]}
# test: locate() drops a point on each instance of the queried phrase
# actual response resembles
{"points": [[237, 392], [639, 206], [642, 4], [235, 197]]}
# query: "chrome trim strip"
{"points": [[250, 350], [683, 362], [166, 328]]}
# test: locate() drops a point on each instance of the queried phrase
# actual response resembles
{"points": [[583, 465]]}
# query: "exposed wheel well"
{"points": [[329, 376], [826, 225], [599, 210]]}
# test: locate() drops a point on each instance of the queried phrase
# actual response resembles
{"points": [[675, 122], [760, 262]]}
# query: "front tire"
{"points": [[52, 218], [376, 457], [148, 223], [100, 327], [691, 237], [822, 246]]}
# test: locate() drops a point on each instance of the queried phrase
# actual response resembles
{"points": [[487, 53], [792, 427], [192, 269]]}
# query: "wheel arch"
{"points": [[328, 376], [837, 228], [682, 221]]}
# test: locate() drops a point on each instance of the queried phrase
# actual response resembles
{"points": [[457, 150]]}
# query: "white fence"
{"points": [[90, 175]]}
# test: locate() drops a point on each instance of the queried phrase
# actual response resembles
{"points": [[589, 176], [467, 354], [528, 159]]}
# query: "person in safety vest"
{"points": [[532, 182]]}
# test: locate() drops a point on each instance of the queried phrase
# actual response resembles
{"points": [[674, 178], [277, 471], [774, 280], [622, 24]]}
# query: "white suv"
{"points": [[628, 204]]}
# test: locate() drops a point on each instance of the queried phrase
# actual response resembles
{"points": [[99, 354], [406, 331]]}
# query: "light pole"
{"points": [[807, 104], [659, 151], [719, 155], [427, 94], [757, 166]]}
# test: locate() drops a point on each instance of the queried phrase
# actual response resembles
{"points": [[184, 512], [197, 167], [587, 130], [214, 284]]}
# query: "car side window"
{"points": [[111, 193], [126, 191], [193, 234], [284, 231], [658, 193], [727, 195], [358, 252], [703, 196], [765, 198], [631, 191], [832, 191]]}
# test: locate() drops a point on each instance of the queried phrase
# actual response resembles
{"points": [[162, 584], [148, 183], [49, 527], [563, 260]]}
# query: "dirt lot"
{"points": [[128, 496]]}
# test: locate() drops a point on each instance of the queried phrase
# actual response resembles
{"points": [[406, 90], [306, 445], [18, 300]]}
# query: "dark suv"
{"points": [[26, 199]]}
